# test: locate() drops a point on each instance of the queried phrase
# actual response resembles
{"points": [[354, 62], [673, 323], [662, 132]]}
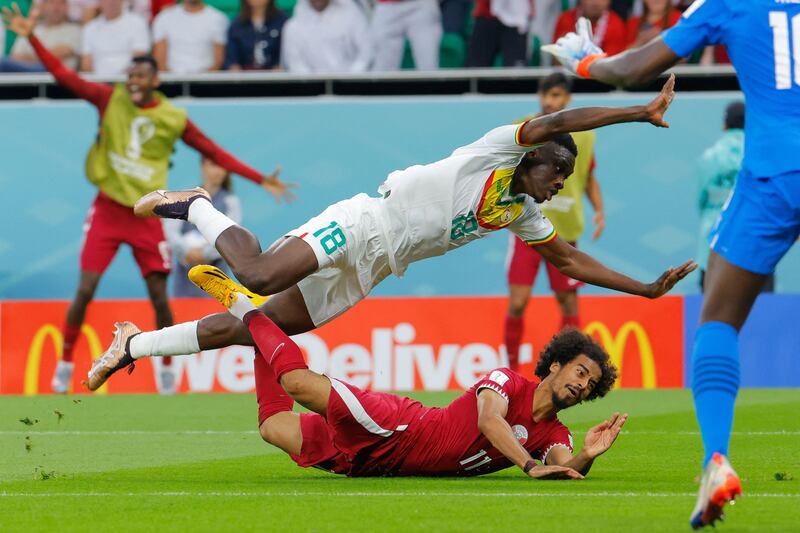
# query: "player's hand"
{"points": [[19, 23], [602, 436], [654, 111], [668, 279], [195, 256], [553, 472], [599, 221], [281, 190], [573, 47]]}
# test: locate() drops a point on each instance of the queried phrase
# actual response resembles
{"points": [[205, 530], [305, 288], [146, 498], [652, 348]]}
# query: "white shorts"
{"points": [[350, 247]]}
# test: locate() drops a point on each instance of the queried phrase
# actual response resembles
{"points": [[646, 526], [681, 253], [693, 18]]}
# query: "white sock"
{"points": [[210, 222], [241, 306], [180, 339]]}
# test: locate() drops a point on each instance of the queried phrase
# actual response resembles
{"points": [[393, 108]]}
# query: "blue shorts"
{"points": [[760, 222]]}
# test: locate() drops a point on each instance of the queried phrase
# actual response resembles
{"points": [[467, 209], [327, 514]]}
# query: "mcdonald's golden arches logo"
{"points": [[34, 362], [615, 346]]}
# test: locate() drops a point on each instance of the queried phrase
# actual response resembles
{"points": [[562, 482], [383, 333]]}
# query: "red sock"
{"points": [[166, 361], [513, 334], [71, 334], [277, 349], [570, 322], [272, 399]]}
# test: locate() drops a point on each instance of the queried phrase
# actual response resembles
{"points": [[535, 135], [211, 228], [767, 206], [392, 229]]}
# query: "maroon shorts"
{"points": [[360, 434], [109, 224], [523, 265]]}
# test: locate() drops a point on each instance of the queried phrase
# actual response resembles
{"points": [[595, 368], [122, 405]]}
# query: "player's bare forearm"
{"points": [[496, 429], [593, 192], [544, 128], [578, 265], [634, 67], [581, 463]]}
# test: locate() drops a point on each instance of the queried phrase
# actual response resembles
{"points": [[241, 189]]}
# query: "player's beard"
{"points": [[559, 403]]}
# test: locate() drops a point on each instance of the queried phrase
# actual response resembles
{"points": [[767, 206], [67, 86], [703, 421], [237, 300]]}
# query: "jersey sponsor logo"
{"points": [[499, 377], [52, 333], [520, 433]]}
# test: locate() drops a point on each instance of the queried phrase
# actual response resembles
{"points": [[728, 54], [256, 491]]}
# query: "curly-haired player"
{"points": [[502, 420]]}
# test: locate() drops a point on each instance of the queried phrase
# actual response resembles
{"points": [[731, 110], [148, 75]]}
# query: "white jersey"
{"points": [[431, 209]]}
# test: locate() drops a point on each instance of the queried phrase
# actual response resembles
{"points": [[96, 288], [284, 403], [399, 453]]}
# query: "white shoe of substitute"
{"points": [[168, 381], [62, 377]]}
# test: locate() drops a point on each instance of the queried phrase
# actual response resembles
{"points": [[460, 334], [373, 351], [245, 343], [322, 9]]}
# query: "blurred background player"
{"points": [[188, 246], [565, 211], [759, 223], [138, 131], [718, 168]]}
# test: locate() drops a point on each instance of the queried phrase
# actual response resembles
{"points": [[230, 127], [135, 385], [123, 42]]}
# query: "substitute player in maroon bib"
{"points": [[501, 421]]}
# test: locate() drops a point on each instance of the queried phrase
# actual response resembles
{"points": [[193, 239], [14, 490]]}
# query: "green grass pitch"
{"points": [[196, 463]]}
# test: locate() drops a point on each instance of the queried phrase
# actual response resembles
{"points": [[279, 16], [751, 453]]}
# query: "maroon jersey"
{"points": [[447, 440]]}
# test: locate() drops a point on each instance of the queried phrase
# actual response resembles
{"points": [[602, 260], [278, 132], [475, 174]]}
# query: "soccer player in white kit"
{"points": [[324, 267]]}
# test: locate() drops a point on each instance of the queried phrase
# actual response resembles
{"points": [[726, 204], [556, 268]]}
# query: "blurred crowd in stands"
{"points": [[328, 36]]}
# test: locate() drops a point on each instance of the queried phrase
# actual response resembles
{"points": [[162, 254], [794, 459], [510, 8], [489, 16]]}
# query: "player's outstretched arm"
{"points": [[492, 409], [96, 93], [577, 51], [194, 137], [598, 440], [635, 67], [544, 128], [581, 266]]}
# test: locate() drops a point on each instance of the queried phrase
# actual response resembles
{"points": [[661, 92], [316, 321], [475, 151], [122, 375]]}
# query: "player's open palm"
{"points": [[281, 190], [602, 436], [668, 279], [19, 23], [656, 109], [553, 472]]}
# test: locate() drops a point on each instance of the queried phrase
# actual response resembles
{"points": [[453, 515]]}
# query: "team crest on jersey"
{"points": [[520, 433]]}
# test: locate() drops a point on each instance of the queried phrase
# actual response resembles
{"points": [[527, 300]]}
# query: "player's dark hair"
{"points": [[566, 140], [734, 116], [556, 79], [569, 344], [146, 59]]}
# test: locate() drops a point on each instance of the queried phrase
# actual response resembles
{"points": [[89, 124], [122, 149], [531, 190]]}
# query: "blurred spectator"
{"points": [[501, 26], [254, 38], [718, 169], [188, 246], [609, 30], [143, 8], [543, 24], [112, 39], [157, 6], [454, 15], [657, 15], [61, 37], [82, 11], [394, 21], [190, 37], [325, 36]]}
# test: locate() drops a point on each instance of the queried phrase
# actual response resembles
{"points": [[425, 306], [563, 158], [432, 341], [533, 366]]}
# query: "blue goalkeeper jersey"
{"points": [[763, 41]]}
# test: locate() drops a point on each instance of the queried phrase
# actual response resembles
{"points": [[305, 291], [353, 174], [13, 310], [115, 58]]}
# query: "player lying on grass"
{"points": [[503, 420], [332, 262]]}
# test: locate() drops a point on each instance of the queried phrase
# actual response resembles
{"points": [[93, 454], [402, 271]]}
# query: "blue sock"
{"points": [[715, 383]]}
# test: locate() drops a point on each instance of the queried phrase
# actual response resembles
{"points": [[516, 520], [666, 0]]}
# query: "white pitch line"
{"points": [[380, 494], [253, 432]]}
